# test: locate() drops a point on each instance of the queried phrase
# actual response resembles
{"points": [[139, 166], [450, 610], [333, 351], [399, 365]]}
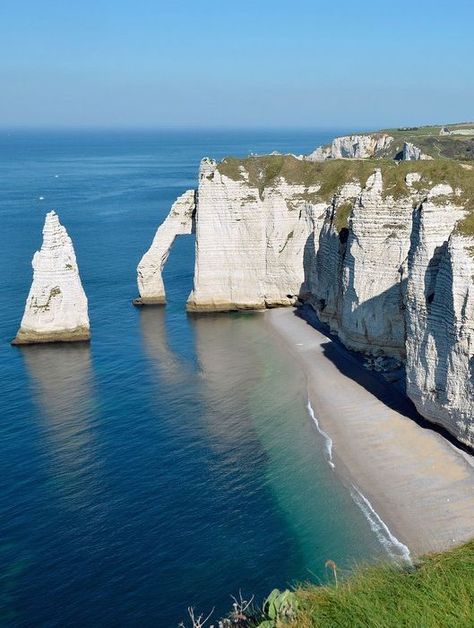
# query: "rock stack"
{"points": [[56, 307]]}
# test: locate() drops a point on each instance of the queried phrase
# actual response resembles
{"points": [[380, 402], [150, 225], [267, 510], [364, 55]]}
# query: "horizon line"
{"points": [[229, 128]]}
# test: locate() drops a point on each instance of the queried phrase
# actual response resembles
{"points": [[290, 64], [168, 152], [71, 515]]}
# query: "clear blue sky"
{"points": [[235, 63]]}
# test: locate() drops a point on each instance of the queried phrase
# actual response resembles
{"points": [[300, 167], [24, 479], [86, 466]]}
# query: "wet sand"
{"points": [[420, 484]]}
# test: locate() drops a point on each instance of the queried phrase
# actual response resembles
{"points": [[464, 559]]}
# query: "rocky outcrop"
{"points": [[413, 153], [249, 242], [56, 307], [357, 285], [180, 221], [466, 131], [352, 147], [440, 319], [378, 240], [400, 282]]}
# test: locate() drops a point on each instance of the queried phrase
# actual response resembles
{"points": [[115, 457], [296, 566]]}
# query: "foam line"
{"points": [[327, 438], [395, 548]]}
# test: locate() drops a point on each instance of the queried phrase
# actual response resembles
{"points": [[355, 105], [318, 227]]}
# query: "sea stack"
{"points": [[56, 307]]}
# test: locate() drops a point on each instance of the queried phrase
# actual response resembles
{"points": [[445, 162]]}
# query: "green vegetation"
{"points": [[280, 607], [431, 142], [466, 226], [436, 592], [439, 591], [263, 172], [343, 212]]}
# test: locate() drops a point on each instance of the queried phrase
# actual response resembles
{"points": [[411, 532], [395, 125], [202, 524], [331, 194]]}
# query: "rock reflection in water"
{"points": [[171, 368], [227, 347], [61, 381]]}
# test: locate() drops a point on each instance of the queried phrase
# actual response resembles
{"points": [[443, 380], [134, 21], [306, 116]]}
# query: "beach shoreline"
{"points": [[419, 485]]}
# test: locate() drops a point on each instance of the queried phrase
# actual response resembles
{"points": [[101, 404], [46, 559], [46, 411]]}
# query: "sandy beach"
{"points": [[419, 484]]}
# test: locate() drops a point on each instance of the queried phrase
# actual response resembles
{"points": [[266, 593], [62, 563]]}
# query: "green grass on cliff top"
{"points": [[429, 140], [264, 171], [439, 592]]}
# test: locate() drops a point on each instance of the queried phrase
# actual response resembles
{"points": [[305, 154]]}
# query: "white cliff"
{"points": [[378, 241], [249, 242], [56, 307], [411, 152], [357, 282], [352, 147], [324, 267], [344, 236], [180, 221], [440, 319], [400, 282]]}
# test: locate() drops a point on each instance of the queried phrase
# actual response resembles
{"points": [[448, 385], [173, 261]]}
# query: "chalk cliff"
{"points": [[250, 240], [414, 143], [399, 281], [382, 251], [440, 319], [357, 283], [353, 147], [56, 307], [180, 221]]}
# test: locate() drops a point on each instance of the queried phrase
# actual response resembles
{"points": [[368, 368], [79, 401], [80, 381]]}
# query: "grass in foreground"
{"points": [[439, 592]]}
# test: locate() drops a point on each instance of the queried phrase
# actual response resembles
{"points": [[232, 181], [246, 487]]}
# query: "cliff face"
{"points": [[414, 143], [400, 282], [440, 320], [56, 307], [353, 147], [249, 242], [376, 248], [357, 283]]}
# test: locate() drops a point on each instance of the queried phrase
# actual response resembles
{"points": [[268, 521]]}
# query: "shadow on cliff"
{"points": [[441, 319], [376, 321], [350, 363]]}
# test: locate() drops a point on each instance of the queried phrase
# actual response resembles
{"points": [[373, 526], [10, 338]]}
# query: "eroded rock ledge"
{"points": [[56, 307]]}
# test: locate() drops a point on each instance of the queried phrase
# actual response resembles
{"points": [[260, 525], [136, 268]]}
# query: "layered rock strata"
{"points": [[400, 282], [56, 307], [249, 242], [352, 147], [358, 285], [180, 221], [440, 319], [413, 153]]}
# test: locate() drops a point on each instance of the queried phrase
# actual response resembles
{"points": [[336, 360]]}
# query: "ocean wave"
{"points": [[325, 435], [395, 548]]}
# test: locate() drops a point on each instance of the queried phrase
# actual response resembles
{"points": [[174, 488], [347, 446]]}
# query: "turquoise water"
{"points": [[173, 461]]}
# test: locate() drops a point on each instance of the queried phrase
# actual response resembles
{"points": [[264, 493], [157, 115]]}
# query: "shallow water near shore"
{"points": [[174, 460]]}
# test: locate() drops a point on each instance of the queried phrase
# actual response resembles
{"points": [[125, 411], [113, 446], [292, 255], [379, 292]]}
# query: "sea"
{"points": [[174, 461]]}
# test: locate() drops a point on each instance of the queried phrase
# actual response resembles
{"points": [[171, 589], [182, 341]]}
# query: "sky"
{"points": [[235, 63]]}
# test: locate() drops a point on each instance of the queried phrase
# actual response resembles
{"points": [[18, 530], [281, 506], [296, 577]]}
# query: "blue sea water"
{"points": [[173, 461]]}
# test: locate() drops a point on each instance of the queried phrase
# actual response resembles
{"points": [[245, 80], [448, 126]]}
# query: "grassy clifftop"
{"points": [[450, 141], [263, 172], [438, 592]]}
